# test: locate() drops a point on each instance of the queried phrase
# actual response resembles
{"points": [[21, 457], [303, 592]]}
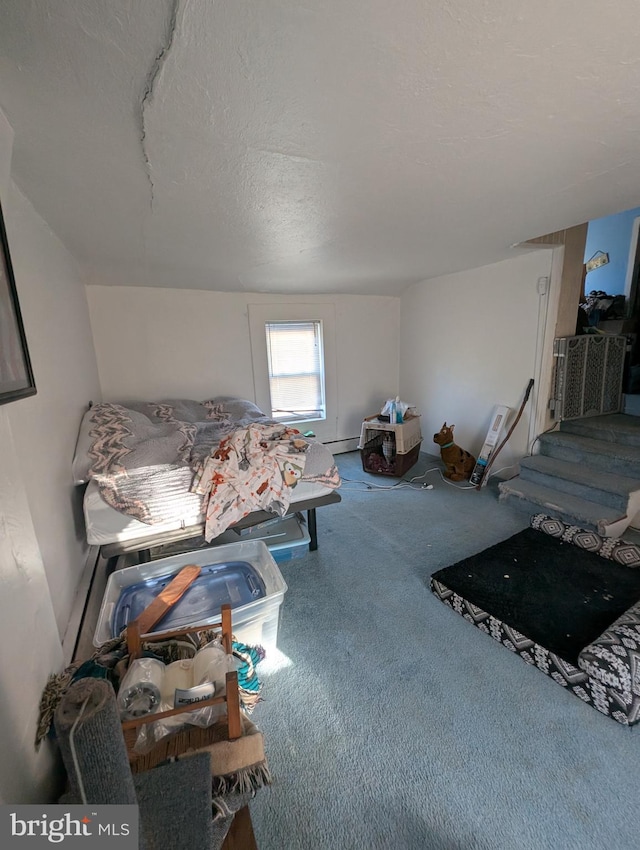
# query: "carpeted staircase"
{"points": [[587, 473]]}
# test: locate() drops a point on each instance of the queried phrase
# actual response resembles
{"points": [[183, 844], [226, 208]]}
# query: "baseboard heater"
{"points": [[348, 444], [78, 615]]}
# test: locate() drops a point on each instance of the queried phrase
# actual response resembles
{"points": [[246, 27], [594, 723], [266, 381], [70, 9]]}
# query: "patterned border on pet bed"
{"points": [[619, 643], [613, 548], [589, 690]]}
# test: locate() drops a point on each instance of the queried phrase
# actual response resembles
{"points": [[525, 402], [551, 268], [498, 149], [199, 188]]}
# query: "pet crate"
{"points": [[406, 435], [379, 456]]}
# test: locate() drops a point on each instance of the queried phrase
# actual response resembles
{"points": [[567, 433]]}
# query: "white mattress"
{"points": [[105, 525]]}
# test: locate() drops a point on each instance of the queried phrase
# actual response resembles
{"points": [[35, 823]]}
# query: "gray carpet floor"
{"points": [[390, 722]]}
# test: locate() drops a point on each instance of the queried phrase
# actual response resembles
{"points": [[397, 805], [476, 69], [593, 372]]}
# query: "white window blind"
{"points": [[296, 370]]}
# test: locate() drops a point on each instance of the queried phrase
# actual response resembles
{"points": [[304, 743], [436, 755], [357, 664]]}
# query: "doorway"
{"points": [[631, 325], [611, 291]]}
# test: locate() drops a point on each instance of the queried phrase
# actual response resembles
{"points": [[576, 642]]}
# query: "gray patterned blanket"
{"points": [[144, 455]]}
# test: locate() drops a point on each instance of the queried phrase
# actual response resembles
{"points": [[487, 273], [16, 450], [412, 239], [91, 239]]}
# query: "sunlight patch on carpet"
{"points": [[274, 662]]}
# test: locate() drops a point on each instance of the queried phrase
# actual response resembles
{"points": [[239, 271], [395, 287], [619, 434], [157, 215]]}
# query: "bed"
{"points": [[564, 599], [159, 472]]}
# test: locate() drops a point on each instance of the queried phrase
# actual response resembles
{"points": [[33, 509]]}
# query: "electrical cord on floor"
{"points": [[502, 468], [457, 486], [371, 485]]}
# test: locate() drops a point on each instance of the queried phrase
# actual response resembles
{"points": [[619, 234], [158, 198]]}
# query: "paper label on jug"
{"points": [[190, 696]]}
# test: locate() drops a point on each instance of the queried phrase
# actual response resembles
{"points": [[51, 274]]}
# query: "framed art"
{"points": [[16, 375]]}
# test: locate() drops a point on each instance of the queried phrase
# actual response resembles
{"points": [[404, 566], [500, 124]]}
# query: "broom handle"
{"points": [[509, 433]]}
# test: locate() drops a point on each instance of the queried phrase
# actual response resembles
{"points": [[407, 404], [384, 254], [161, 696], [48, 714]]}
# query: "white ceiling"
{"points": [[317, 146]]}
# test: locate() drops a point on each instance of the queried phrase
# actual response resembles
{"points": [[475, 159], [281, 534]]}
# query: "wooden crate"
{"points": [[227, 728]]}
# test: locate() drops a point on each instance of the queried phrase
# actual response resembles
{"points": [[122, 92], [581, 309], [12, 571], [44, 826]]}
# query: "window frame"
{"points": [[259, 314], [315, 326]]}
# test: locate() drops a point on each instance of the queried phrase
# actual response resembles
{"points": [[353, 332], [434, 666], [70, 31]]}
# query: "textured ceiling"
{"points": [[323, 146]]}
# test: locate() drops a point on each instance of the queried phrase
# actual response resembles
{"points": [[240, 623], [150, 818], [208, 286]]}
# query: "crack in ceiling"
{"points": [[332, 147], [149, 91]]}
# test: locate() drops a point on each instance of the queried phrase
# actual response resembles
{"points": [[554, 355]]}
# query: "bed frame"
{"points": [[143, 545]]}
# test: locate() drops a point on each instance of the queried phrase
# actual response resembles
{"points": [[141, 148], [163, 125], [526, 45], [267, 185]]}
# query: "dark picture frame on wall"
{"points": [[16, 374]]}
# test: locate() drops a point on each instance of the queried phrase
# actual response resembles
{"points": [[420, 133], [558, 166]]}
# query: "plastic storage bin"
{"points": [[254, 623], [234, 583], [287, 538]]}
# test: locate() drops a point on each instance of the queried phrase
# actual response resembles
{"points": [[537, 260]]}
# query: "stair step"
{"points": [[579, 480], [603, 455], [619, 428], [632, 404], [539, 499]]}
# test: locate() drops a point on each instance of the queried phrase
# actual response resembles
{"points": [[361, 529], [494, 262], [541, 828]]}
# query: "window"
{"points": [[296, 370], [319, 317]]}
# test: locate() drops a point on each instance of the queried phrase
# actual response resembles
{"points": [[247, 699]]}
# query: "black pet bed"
{"points": [[550, 593], [560, 596]]}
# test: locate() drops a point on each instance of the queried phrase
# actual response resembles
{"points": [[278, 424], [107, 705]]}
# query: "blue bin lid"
{"points": [[231, 582]]}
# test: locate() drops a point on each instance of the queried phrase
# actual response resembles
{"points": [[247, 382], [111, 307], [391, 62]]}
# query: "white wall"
{"points": [[468, 342], [45, 426], [163, 343], [37, 435], [30, 648]]}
